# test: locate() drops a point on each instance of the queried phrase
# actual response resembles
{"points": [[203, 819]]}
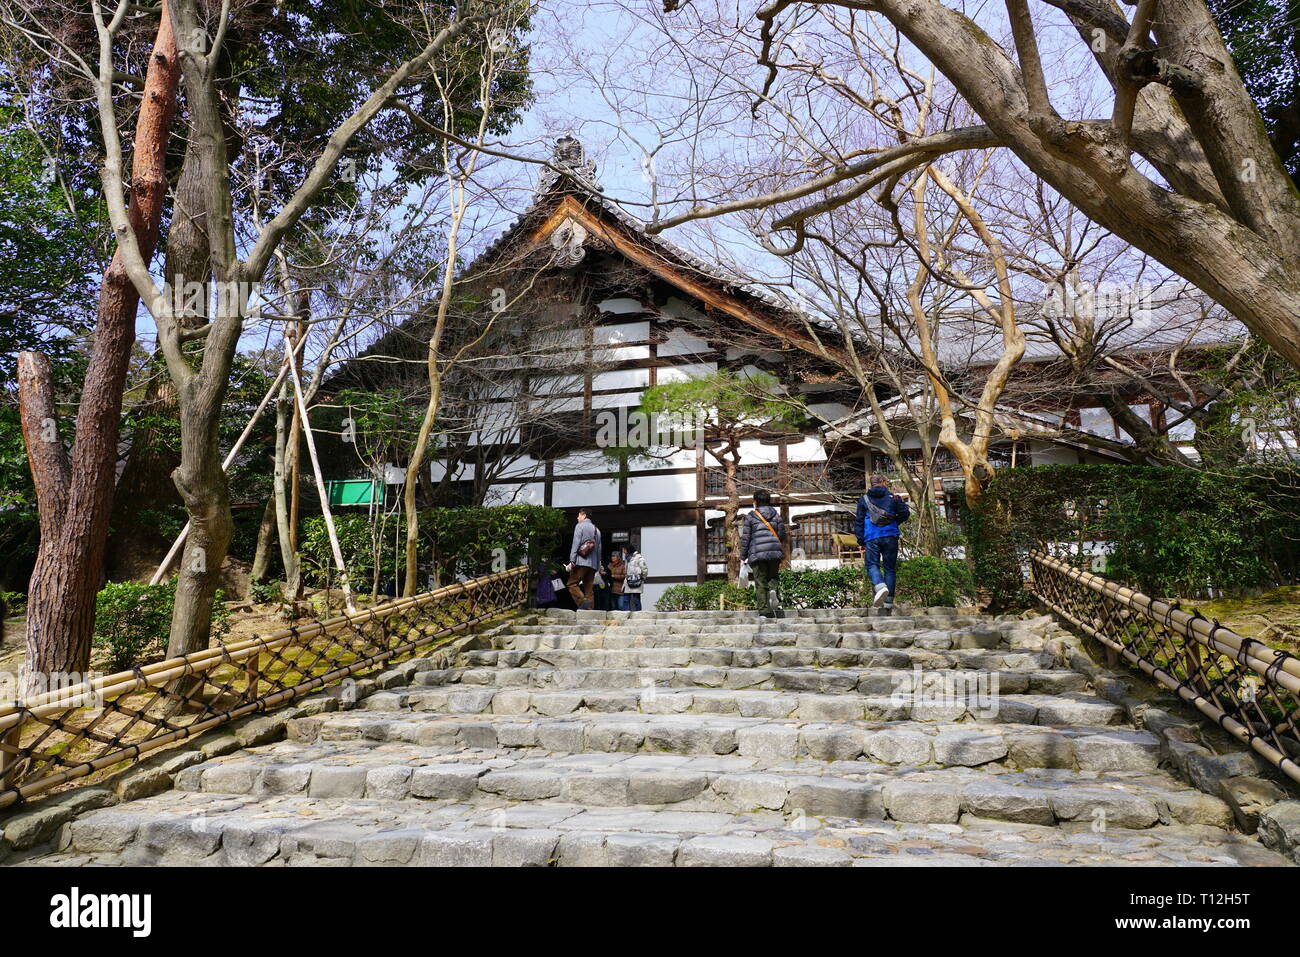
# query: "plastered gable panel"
{"points": [[589, 492], [531, 493], [679, 342], [651, 489], [686, 371]]}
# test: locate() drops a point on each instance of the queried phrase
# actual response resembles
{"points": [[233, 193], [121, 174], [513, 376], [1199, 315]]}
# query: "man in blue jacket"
{"points": [[880, 512]]}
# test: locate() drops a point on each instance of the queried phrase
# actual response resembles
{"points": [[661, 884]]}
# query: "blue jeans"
{"points": [[629, 602], [882, 553]]}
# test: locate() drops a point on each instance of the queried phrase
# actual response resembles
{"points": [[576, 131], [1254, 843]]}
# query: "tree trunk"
{"points": [[69, 562], [730, 509], [203, 487], [136, 545], [1153, 448], [262, 553], [289, 556]]}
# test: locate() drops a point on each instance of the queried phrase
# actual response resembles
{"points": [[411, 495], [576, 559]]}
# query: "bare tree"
{"points": [[1182, 167]]}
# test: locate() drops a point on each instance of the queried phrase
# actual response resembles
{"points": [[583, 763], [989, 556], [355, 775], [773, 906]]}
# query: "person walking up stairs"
{"points": [[880, 512]]}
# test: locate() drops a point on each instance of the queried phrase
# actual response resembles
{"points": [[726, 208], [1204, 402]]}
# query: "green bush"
{"points": [[132, 621], [676, 598], [739, 596], [460, 541], [921, 581], [706, 594], [926, 580], [823, 587], [14, 601], [266, 593], [1167, 531]]}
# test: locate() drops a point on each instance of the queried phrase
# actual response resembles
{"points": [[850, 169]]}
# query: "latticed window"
{"points": [[749, 479], [944, 463], [814, 534], [807, 477]]}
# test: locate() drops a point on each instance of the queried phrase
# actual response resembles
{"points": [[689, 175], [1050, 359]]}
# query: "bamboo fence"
{"points": [[53, 738], [1249, 689]]}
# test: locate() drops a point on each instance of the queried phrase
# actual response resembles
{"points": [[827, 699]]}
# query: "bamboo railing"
{"points": [[56, 737], [1249, 689]]}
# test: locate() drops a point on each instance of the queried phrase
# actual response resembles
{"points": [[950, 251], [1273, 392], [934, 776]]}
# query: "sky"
{"points": [[610, 73]]}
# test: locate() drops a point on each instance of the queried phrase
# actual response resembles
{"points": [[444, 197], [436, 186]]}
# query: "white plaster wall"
{"points": [[754, 452], [676, 308], [649, 489], [525, 467], [528, 493], [1046, 453], [651, 594], [666, 458], [808, 450], [680, 342], [669, 549], [591, 492], [619, 305], [607, 341], [685, 372], [578, 463], [617, 400], [621, 379], [796, 510], [438, 469]]}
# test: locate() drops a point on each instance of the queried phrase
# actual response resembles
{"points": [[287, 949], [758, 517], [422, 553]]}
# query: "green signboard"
{"points": [[354, 492]]}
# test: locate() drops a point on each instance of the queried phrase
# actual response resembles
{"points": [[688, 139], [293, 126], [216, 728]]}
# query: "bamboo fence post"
{"points": [[320, 488]]}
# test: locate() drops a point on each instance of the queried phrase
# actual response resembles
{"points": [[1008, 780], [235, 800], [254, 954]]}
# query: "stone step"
{"points": [[732, 784], [905, 743], [963, 658], [215, 830], [746, 614], [868, 681], [755, 625], [930, 639], [975, 700]]}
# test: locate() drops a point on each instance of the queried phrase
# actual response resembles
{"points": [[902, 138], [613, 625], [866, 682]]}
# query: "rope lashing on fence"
{"points": [[58, 736], [1266, 722]]}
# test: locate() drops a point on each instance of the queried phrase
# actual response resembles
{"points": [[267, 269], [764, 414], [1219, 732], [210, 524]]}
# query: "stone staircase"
{"points": [[704, 738]]}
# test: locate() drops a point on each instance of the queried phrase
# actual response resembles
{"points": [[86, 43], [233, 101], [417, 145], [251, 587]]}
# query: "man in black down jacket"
{"points": [[761, 546]]}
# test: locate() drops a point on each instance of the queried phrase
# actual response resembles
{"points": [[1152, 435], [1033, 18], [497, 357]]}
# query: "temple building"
{"points": [[590, 310]]}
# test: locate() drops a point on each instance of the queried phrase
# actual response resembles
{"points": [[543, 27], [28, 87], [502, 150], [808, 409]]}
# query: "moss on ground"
{"points": [[1273, 617]]}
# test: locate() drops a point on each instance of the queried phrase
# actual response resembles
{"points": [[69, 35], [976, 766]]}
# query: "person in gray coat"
{"points": [[584, 560], [762, 538]]}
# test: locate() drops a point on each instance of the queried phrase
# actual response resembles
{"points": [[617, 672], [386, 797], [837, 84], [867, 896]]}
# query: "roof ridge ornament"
{"points": [[569, 158]]}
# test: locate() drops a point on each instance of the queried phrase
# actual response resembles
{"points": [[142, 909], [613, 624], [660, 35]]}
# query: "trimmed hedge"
{"points": [[459, 541], [921, 581], [1167, 531]]}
